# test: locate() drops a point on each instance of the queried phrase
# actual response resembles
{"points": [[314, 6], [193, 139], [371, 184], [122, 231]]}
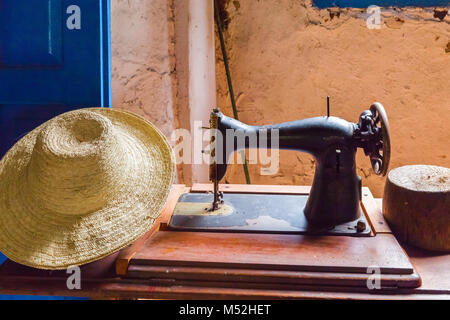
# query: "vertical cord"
{"points": [[230, 85]]}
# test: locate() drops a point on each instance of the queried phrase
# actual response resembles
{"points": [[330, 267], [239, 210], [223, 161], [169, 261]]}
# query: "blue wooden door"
{"points": [[54, 57]]}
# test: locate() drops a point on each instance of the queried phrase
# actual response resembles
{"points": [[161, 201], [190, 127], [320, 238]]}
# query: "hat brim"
{"points": [[36, 237]]}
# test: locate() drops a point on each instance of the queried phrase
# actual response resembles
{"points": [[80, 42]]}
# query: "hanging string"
{"points": [[230, 84]]}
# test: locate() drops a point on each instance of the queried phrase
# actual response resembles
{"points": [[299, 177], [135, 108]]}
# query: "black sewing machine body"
{"points": [[333, 204], [336, 190]]}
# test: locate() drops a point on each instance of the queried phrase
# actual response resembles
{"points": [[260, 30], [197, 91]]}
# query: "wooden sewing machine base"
{"points": [[268, 260]]}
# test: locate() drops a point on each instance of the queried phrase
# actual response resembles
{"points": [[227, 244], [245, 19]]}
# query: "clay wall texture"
{"points": [[143, 60], [287, 56]]}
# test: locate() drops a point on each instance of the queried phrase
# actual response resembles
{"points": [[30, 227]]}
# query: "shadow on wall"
{"points": [[381, 3]]}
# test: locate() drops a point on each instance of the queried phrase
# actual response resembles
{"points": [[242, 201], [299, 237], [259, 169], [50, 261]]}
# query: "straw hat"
{"points": [[82, 186]]}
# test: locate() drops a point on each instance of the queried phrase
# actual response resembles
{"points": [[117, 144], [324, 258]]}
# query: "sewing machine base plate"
{"points": [[275, 263], [254, 213]]}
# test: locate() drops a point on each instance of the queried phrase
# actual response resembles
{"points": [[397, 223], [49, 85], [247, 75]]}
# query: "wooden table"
{"points": [[100, 280]]}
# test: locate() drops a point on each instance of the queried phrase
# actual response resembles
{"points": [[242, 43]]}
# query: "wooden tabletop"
{"points": [[99, 280]]}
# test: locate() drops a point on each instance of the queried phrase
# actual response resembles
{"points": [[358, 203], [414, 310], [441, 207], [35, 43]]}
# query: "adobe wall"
{"points": [[287, 56], [143, 60]]}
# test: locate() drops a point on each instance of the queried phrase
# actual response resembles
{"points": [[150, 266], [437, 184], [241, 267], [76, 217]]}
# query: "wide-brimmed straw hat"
{"points": [[82, 186]]}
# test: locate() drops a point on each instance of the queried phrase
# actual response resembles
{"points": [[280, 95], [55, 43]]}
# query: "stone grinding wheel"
{"points": [[416, 204]]}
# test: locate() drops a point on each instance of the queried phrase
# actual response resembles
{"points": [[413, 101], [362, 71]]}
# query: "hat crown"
{"points": [[76, 163]]}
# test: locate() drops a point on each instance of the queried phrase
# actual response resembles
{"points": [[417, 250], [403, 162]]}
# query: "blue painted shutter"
{"points": [[54, 57], [48, 63]]}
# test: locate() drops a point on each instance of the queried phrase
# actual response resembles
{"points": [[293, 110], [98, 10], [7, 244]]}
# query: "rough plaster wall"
{"points": [[287, 56], [143, 60]]}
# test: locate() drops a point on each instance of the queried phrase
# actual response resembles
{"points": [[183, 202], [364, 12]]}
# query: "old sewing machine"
{"points": [[333, 203], [327, 237]]}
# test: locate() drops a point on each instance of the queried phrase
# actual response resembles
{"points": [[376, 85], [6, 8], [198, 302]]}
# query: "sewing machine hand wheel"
{"points": [[380, 149]]}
